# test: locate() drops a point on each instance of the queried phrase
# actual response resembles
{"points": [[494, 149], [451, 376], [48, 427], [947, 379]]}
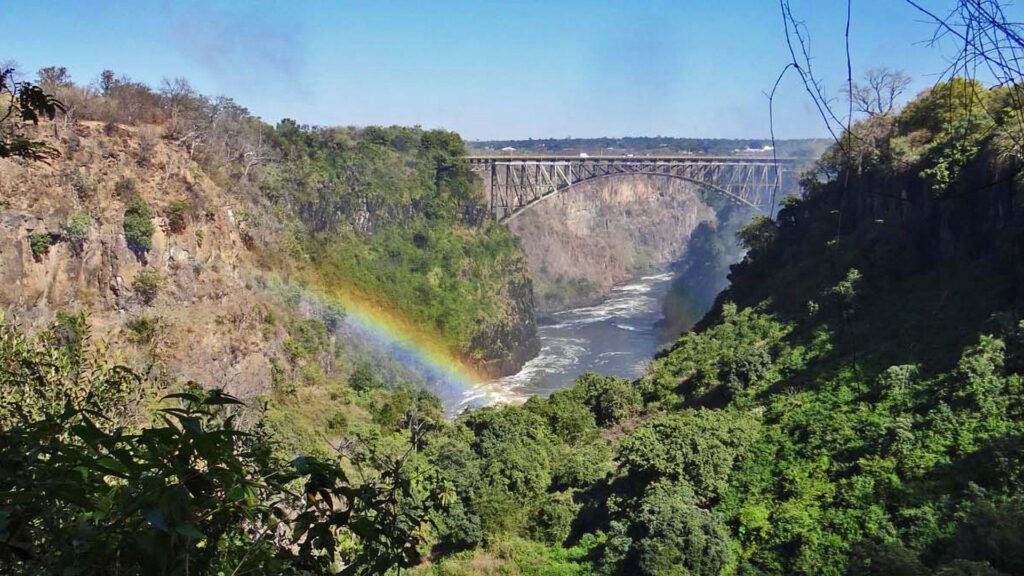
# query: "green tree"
{"points": [[611, 400], [676, 537], [698, 447], [138, 226]]}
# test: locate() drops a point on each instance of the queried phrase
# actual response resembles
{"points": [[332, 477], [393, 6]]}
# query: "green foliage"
{"points": [[142, 328], [553, 519], [698, 447], [516, 447], [308, 337], [75, 230], [759, 234], [138, 226], [364, 379], [676, 537], [873, 559], [992, 533], [177, 213], [83, 492], [736, 354], [571, 421], [42, 376], [40, 244], [147, 284], [611, 400]]}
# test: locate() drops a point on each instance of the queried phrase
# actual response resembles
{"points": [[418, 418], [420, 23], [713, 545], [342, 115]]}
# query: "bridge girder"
{"points": [[517, 184]]}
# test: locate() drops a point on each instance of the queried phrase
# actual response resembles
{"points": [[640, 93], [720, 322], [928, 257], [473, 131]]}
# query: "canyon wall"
{"points": [[190, 305], [601, 233]]}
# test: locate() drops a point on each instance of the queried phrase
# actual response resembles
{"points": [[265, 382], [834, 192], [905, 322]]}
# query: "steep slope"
{"points": [[187, 302]]}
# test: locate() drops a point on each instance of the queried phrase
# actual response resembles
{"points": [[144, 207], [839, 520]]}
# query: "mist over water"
{"points": [[617, 337]]}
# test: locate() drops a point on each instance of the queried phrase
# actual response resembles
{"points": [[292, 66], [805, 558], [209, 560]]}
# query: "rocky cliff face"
{"points": [[506, 344], [200, 316], [601, 233]]}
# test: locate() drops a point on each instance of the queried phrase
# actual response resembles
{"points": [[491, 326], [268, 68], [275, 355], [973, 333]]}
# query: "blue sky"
{"points": [[520, 69]]}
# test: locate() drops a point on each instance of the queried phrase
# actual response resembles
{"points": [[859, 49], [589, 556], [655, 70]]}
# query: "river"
{"points": [[617, 337]]}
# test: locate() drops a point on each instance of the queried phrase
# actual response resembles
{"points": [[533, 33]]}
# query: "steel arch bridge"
{"points": [[518, 182]]}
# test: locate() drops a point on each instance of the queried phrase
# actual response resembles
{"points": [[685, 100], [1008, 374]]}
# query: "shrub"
{"points": [[612, 400], [759, 234], [364, 378], [69, 331], [147, 284], [125, 187], [680, 537], [142, 328], [83, 185], [698, 447], [553, 520], [40, 244], [177, 215], [138, 226], [75, 229], [308, 338]]}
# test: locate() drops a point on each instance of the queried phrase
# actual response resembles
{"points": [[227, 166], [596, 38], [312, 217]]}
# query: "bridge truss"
{"points": [[517, 183]]}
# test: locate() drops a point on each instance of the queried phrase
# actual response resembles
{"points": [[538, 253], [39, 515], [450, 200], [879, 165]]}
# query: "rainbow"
{"points": [[419, 349]]}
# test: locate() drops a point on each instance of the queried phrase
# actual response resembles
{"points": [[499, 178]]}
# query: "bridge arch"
{"points": [[706, 185], [519, 183]]}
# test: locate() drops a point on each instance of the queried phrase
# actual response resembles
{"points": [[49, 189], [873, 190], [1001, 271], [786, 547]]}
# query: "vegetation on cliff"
{"points": [[395, 214]]}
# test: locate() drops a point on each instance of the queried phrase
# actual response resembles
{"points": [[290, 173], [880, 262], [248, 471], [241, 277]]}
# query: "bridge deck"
{"points": [[674, 158]]}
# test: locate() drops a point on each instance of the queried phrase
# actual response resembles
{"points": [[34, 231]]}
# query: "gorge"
{"points": [[235, 347]]}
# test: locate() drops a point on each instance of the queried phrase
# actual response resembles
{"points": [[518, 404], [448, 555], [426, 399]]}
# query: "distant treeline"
{"points": [[804, 148]]}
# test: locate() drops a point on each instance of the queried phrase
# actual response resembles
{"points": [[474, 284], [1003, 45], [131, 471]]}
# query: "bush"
{"points": [[75, 230], [125, 187], [83, 185], [612, 400], [365, 378], [40, 244], [759, 234], [147, 284], [142, 328], [138, 226], [698, 447], [884, 559], [680, 537], [308, 338], [553, 519], [69, 331], [177, 215]]}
